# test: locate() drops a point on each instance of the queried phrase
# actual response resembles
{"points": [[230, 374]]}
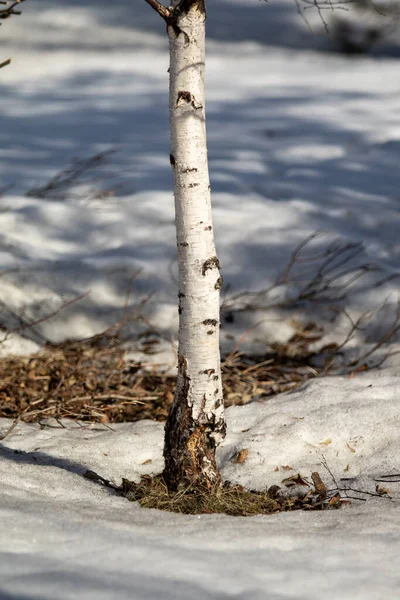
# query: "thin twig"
{"points": [[32, 324], [339, 489], [160, 9], [14, 424], [131, 399], [11, 429]]}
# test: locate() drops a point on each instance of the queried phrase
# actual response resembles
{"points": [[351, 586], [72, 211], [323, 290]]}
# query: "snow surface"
{"points": [[300, 139], [65, 537]]}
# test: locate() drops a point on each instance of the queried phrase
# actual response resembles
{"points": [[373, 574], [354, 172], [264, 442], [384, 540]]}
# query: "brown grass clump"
{"points": [[152, 492], [233, 500]]}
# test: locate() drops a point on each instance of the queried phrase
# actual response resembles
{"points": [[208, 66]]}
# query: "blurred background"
{"points": [[304, 137]]}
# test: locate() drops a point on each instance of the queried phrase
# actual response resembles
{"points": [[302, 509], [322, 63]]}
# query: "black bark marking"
{"points": [[208, 372], [215, 378], [218, 283], [184, 244], [180, 307], [181, 9], [189, 170], [172, 160], [185, 5], [192, 185], [208, 228], [210, 332], [213, 322], [184, 96], [210, 263]]}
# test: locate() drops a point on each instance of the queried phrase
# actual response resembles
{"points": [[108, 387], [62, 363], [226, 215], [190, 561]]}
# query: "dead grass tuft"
{"points": [[233, 500]]}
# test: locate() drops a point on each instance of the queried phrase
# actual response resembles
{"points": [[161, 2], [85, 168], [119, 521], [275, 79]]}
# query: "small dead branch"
{"points": [[388, 478], [388, 334], [6, 13], [59, 186], [24, 325], [361, 492], [322, 277], [9, 11], [162, 10], [12, 427]]}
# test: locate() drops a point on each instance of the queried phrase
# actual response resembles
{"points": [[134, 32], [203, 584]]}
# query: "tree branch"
{"points": [[5, 13], [159, 8]]}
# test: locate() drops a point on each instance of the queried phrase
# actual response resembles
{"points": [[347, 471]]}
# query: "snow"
{"points": [[67, 537], [300, 139]]}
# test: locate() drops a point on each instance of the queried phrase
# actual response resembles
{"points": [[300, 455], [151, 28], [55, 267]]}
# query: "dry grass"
{"points": [[89, 381], [92, 381], [233, 500], [151, 492]]}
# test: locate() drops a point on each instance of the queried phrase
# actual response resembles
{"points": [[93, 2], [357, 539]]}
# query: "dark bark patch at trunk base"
{"points": [[189, 450]]}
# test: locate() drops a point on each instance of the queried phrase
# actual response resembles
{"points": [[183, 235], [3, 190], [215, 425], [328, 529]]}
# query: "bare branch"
{"points": [[325, 4], [5, 13], [159, 8]]}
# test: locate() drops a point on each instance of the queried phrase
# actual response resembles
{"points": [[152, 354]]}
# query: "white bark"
{"points": [[199, 376]]}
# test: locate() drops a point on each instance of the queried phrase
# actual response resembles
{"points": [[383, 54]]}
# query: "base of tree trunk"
{"points": [[189, 449]]}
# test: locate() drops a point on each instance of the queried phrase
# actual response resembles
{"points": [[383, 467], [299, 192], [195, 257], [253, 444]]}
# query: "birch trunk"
{"points": [[196, 423]]}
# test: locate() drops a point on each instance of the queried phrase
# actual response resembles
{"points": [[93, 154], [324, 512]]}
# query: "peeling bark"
{"points": [[189, 450]]}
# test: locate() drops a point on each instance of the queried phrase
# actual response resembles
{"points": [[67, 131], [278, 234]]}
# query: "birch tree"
{"points": [[196, 423]]}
